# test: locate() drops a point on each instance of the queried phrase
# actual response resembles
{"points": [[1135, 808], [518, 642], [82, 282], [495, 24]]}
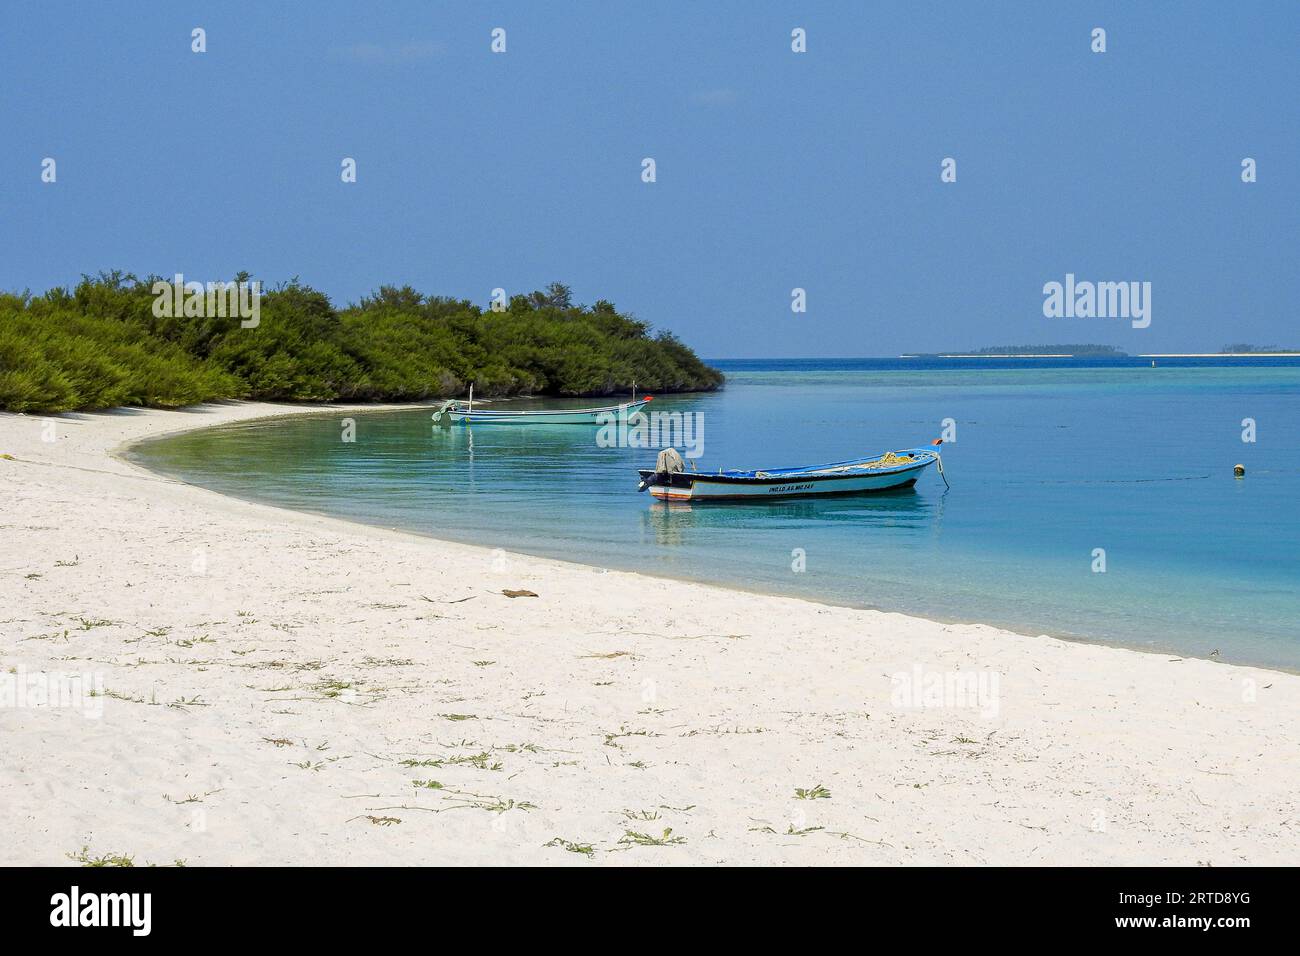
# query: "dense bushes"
{"points": [[101, 345]]}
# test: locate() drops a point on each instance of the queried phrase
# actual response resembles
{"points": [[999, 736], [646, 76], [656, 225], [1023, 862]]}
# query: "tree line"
{"points": [[103, 344]]}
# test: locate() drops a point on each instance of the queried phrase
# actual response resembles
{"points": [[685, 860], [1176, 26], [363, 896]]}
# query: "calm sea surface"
{"points": [[1053, 460]]}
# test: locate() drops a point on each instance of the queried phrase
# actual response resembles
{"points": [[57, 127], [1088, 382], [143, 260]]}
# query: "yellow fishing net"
{"points": [[887, 460]]}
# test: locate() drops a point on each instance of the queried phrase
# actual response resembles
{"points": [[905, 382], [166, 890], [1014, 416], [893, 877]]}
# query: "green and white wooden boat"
{"points": [[458, 412]]}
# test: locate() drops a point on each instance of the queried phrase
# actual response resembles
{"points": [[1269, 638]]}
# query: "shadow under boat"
{"points": [[671, 521]]}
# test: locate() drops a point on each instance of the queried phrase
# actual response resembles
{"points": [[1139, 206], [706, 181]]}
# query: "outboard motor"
{"points": [[668, 463]]}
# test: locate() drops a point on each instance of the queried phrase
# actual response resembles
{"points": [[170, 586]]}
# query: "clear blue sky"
{"points": [[775, 170]]}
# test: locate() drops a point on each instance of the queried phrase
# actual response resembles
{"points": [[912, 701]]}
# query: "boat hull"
{"points": [[576, 416], [689, 486]]}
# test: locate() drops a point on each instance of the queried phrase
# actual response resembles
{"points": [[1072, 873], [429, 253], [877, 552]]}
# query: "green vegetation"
{"points": [[100, 345], [812, 793], [634, 838], [106, 859], [586, 849]]}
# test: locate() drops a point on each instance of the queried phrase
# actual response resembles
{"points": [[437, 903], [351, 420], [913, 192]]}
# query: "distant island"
{"points": [[1099, 351], [1242, 348], [1029, 351], [1239, 350], [118, 340]]}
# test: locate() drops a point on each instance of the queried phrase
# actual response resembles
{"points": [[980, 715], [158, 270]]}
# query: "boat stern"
{"points": [[666, 486]]}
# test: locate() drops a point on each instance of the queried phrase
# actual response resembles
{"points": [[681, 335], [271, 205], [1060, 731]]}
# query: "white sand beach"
{"points": [[281, 688]]}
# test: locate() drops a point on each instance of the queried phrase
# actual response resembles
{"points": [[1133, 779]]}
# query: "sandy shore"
{"points": [[286, 688]]}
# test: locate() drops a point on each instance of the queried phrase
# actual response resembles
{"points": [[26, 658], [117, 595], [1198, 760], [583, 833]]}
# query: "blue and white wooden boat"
{"points": [[898, 469], [458, 412]]}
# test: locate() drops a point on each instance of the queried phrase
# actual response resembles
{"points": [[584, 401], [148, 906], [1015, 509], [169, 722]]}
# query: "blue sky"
{"points": [[775, 170]]}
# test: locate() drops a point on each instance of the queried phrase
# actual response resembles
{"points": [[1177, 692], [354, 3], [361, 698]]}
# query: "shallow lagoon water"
{"points": [[1053, 460]]}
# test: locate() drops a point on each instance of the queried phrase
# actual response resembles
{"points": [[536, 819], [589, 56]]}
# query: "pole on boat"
{"points": [[470, 406]]}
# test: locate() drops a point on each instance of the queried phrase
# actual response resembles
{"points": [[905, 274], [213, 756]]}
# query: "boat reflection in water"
{"points": [[674, 523]]}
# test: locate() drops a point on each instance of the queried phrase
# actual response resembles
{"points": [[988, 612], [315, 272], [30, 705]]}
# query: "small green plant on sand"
{"points": [[108, 859], [790, 831], [502, 805], [816, 793], [633, 838], [646, 815], [482, 760], [586, 849]]}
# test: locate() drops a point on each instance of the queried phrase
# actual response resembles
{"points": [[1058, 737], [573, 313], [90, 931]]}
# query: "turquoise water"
{"points": [[1050, 463]]}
